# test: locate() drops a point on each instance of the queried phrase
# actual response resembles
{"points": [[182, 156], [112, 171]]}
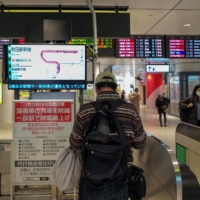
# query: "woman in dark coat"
{"points": [[162, 104], [190, 103], [123, 94]]}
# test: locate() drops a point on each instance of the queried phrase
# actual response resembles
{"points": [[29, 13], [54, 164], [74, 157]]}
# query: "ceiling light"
{"points": [[186, 24]]}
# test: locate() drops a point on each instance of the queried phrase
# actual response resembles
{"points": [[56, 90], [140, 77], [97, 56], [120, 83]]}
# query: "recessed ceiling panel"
{"points": [[143, 20], [153, 4], [189, 4], [174, 23]]}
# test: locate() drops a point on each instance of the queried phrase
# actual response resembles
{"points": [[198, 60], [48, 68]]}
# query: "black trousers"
{"points": [[160, 117]]}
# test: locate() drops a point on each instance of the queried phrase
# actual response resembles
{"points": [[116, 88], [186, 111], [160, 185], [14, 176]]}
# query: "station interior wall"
{"points": [[8, 95]]}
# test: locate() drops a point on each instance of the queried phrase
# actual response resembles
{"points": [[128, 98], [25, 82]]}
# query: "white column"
{"points": [[6, 107], [97, 69]]}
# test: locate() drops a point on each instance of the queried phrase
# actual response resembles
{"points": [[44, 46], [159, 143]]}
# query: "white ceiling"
{"points": [[160, 17]]}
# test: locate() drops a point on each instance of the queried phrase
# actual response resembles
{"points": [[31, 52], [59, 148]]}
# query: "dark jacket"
{"points": [[122, 96], [159, 104], [192, 112]]}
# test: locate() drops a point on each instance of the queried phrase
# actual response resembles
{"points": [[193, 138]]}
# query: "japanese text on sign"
{"points": [[43, 112]]}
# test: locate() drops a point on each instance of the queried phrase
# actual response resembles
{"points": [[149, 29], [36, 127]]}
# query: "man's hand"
{"points": [[163, 107], [190, 105]]}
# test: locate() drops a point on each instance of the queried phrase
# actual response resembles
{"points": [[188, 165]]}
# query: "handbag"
{"points": [[67, 170], [166, 110], [136, 183]]}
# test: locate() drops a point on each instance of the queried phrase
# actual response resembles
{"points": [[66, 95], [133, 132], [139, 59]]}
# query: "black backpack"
{"points": [[106, 148]]}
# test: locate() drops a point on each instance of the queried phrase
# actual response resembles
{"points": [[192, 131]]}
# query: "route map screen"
{"points": [[183, 46], [46, 66]]}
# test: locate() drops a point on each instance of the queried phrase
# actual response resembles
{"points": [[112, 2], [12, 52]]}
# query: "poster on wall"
{"points": [[41, 131], [90, 90]]}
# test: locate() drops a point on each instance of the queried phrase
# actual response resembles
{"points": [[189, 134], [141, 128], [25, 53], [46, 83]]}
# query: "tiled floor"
{"points": [[150, 121]]}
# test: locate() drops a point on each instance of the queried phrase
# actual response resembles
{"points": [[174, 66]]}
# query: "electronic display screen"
{"points": [[101, 43], [183, 46], [150, 46], [125, 48], [2, 42], [141, 47], [46, 66], [157, 68]]}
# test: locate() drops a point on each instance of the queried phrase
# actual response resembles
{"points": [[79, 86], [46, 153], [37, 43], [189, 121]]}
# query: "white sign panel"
{"points": [[41, 131], [157, 68]]}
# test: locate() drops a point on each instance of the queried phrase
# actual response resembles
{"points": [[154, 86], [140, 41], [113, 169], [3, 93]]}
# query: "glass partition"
{"points": [[174, 92], [192, 81]]}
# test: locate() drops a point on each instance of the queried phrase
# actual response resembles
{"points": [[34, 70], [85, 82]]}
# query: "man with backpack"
{"points": [[105, 131]]}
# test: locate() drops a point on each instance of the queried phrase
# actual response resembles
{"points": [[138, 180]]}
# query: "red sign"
{"points": [[43, 111]]}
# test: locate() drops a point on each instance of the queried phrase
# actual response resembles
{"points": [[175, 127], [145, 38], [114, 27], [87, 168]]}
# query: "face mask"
{"points": [[198, 93]]}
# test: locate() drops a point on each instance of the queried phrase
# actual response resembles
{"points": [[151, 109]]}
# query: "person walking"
{"points": [[192, 104], [105, 87], [162, 106], [123, 95], [135, 98]]}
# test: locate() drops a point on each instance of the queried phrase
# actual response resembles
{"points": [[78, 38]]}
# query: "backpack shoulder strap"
{"points": [[117, 103], [97, 105]]}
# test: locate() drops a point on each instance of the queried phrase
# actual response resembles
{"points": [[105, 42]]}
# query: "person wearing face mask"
{"points": [[162, 106], [192, 104]]}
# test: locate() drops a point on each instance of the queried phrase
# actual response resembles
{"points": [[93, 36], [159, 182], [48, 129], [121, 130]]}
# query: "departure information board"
{"points": [[183, 46], [126, 48], [149, 46], [141, 47], [101, 43], [2, 42]]}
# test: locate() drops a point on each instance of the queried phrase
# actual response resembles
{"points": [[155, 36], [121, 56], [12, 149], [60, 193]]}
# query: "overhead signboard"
{"points": [[157, 68], [183, 46], [2, 42], [101, 43], [150, 46], [141, 46]]}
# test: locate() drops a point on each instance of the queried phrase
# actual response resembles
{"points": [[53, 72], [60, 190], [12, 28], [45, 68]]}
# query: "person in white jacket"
{"points": [[135, 98]]}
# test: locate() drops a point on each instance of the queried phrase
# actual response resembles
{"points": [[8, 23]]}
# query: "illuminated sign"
{"points": [[126, 48], [101, 43], [2, 42], [183, 46], [141, 47], [157, 68]]}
